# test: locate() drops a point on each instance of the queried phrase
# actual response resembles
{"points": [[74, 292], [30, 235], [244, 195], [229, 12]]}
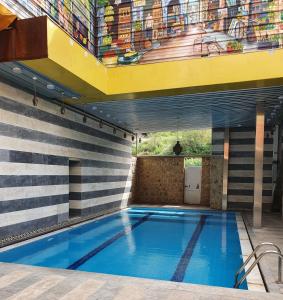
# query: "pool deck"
{"points": [[29, 282], [271, 231]]}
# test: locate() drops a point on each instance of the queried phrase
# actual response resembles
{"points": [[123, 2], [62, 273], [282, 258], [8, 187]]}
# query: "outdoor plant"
{"points": [[234, 46]]}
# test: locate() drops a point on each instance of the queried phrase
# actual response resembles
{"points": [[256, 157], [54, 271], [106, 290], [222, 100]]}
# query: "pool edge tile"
{"points": [[254, 279]]}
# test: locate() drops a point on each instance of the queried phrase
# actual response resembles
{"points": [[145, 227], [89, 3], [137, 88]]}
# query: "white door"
{"points": [[192, 185]]}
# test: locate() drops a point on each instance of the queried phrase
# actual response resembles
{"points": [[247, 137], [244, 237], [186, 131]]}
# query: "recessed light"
{"points": [[94, 107], [34, 78], [101, 111], [75, 98], [108, 115], [50, 86], [280, 97], [17, 70]]}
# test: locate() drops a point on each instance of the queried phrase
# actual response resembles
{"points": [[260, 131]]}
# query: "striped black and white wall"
{"points": [[53, 165], [241, 165]]}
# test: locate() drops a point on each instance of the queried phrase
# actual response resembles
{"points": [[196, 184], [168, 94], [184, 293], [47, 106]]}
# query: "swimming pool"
{"points": [[194, 246]]}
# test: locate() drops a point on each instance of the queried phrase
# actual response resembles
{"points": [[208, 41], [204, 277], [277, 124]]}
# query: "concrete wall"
{"points": [[36, 144], [241, 165]]}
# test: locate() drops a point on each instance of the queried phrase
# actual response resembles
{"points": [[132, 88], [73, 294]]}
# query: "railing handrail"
{"points": [[252, 254], [238, 283]]}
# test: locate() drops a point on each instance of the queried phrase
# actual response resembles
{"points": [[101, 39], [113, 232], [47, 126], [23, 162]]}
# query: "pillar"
{"points": [[225, 170], [258, 170]]}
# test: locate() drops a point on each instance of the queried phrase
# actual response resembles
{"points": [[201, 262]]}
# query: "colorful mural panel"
{"points": [[154, 30], [144, 31]]}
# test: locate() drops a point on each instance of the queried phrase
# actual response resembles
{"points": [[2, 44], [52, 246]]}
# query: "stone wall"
{"points": [[205, 182], [216, 182], [160, 180]]}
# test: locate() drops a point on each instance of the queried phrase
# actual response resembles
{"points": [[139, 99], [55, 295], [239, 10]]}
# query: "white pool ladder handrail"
{"points": [[277, 252]]}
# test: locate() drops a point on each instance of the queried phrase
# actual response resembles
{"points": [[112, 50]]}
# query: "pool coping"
{"points": [[254, 279], [30, 281]]}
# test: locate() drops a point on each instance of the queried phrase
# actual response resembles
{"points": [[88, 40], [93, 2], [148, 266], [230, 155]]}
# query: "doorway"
{"points": [[192, 191]]}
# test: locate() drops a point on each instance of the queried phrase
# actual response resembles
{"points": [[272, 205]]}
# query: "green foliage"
{"points": [[194, 161], [194, 142]]}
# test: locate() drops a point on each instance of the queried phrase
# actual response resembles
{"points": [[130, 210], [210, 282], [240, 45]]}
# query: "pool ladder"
{"points": [[276, 252]]}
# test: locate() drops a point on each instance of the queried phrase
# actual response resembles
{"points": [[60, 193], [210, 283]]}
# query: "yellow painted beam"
{"points": [[72, 66], [259, 66]]}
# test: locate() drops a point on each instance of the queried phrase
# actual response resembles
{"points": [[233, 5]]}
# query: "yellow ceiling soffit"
{"points": [[72, 66], [6, 17]]}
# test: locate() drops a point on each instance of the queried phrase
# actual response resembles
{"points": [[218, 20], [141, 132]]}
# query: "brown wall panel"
{"points": [[25, 41]]}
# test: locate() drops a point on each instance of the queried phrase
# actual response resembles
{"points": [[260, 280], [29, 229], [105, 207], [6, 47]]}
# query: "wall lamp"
{"points": [[63, 110]]}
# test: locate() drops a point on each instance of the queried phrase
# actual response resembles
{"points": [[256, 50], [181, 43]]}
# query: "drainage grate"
{"points": [[10, 240]]}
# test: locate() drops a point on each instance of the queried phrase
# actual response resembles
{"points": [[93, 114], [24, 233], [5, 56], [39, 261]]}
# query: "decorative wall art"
{"points": [[124, 32]]}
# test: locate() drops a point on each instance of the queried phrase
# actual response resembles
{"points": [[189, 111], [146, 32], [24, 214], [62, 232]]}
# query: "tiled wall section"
{"points": [[241, 165], [36, 146]]}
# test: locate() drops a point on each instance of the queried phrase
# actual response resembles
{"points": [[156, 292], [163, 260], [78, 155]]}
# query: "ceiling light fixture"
{"points": [[17, 70], [50, 86], [94, 108], [75, 98], [34, 99], [280, 97]]}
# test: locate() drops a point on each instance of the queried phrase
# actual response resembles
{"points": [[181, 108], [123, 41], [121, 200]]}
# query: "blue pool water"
{"points": [[193, 246]]}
